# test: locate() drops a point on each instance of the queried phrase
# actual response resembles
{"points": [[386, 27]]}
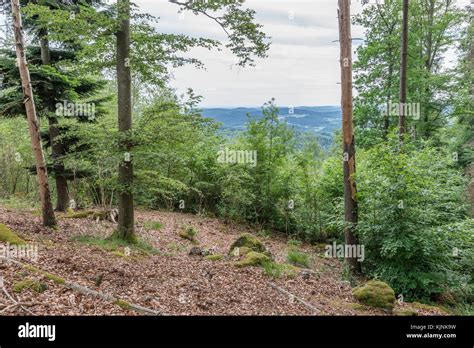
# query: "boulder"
{"points": [[253, 259], [375, 293], [242, 251], [246, 243]]}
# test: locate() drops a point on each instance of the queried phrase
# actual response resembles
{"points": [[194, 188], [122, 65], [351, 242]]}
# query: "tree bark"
{"points": [[350, 191], [57, 149], [124, 85], [49, 219], [403, 72]]}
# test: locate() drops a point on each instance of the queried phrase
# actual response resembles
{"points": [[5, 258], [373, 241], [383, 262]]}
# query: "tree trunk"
{"points": [[350, 192], [403, 72], [124, 85], [42, 173], [57, 149], [386, 125]]}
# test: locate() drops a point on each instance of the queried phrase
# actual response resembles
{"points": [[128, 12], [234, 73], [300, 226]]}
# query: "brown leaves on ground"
{"points": [[170, 281]]}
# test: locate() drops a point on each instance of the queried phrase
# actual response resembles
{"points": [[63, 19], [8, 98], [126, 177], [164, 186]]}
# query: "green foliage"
{"points": [[189, 233], [26, 284], [115, 244], [377, 68], [279, 270], [408, 200], [294, 243], [153, 225], [299, 258]]}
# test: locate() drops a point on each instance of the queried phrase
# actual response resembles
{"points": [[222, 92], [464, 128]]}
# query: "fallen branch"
{"points": [[85, 291], [15, 302], [285, 292], [21, 304]]}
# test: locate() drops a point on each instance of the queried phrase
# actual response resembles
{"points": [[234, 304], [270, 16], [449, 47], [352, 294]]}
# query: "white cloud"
{"points": [[303, 63]]}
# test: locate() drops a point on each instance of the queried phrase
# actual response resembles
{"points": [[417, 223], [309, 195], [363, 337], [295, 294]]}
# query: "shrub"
{"points": [[407, 205]]}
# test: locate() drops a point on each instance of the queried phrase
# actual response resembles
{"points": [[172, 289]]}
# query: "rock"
{"points": [[306, 275], [375, 293], [195, 251], [250, 243], [242, 251], [253, 259], [8, 236]]}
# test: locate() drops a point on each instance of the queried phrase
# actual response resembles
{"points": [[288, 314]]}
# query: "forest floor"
{"points": [[169, 280]]}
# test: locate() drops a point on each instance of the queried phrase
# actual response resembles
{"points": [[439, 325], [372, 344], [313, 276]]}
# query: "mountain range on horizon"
{"points": [[320, 120]]}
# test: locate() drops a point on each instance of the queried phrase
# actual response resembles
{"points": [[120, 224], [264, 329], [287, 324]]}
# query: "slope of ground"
{"points": [[169, 281]]}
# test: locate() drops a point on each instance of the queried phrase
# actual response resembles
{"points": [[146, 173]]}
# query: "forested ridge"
{"points": [[159, 208]]}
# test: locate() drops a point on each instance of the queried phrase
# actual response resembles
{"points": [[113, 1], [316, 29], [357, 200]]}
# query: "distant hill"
{"points": [[321, 120]]}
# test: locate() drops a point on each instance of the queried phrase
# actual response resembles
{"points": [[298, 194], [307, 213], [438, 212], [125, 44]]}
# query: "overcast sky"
{"points": [[302, 67], [303, 63]]}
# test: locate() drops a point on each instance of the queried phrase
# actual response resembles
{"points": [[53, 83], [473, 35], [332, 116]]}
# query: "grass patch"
{"points": [[264, 233], [115, 244], [299, 258], [47, 275], [278, 270], [18, 203], [189, 233], [8, 236], [177, 248], [153, 225], [29, 284], [293, 243]]}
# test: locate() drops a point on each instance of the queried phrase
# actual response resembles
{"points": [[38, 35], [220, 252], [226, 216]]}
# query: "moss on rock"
{"points": [[215, 257], [242, 251], [405, 312], [253, 259], [29, 284], [248, 241], [8, 236], [123, 304], [375, 293], [79, 215], [428, 307]]}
